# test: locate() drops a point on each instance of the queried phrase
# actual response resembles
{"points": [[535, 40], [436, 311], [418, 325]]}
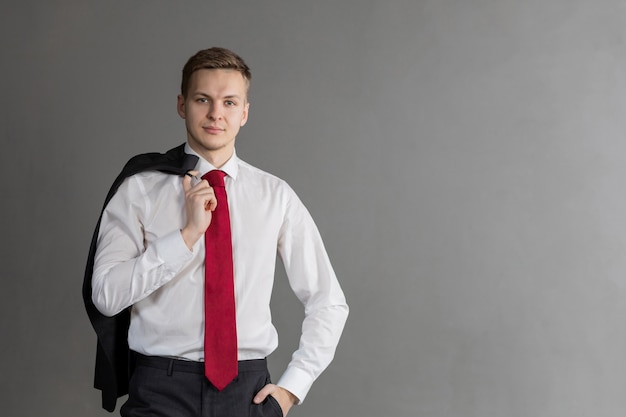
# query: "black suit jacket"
{"points": [[113, 362]]}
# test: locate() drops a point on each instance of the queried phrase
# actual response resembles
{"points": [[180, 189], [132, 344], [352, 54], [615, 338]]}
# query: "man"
{"points": [[166, 272]]}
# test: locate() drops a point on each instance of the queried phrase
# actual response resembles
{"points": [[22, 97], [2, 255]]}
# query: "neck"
{"points": [[217, 157]]}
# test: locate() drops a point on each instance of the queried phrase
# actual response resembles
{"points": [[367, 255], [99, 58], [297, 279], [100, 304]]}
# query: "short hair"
{"points": [[214, 58]]}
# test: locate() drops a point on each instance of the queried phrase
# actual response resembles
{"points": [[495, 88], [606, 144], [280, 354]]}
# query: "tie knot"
{"points": [[215, 178]]}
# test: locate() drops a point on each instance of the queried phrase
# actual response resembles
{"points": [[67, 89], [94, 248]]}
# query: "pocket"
{"points": [[274, 403], [268, 408]]}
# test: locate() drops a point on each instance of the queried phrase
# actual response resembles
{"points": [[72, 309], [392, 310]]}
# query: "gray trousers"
{"points": [[171, 388]]}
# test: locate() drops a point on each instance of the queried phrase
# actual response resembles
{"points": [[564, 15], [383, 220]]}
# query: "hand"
{"points": [[200, 202], [285, 399]]}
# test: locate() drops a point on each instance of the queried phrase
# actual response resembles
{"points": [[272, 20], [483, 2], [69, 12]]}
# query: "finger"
{"points": [[206, 193], [265, 391], [203, 197], [211, 204], [189, 175], [186, 183]]}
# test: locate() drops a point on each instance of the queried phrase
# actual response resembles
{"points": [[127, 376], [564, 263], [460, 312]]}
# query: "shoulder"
{"points": [[171, 159], [251, 176], [148, 184], [157, 165], [266, 186]]}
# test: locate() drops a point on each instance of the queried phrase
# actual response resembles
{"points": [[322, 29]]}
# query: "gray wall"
{"points": [[465, 161]]}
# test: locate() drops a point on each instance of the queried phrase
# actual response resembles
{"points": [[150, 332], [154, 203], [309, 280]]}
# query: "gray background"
{"points": [[465, 162]]}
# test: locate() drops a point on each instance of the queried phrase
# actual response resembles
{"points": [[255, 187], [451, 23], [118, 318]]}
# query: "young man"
{"points": [[181, 269]]}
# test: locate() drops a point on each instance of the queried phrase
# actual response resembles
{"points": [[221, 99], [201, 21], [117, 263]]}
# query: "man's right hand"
{"points": [[200, 202]]}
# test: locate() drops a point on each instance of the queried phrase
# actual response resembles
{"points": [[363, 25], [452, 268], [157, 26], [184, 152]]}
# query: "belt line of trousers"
{"points": [[165, 387]]}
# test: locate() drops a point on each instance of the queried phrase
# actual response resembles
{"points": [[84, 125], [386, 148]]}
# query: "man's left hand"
{"points": [[285, 398]]}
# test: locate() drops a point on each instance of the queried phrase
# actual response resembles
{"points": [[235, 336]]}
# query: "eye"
{"points": [[202, 100], [230, 103]]}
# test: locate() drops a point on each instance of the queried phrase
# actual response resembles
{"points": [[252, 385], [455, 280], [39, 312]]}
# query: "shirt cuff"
{"points": [[296, 381]]}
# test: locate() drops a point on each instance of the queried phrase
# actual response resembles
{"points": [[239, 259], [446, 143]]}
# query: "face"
{"points": [[214, 110]]}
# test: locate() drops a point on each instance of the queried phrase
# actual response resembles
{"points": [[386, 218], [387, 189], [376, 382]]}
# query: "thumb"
{"points": [[262, 395]]}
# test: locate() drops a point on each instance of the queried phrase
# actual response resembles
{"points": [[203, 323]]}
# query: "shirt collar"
{"points": [[231, 167]]}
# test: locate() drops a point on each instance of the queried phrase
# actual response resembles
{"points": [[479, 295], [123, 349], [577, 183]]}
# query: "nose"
{"points": [[215, 112]]}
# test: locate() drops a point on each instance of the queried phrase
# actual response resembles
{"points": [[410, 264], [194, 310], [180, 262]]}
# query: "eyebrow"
{"points": [[230, 96]]}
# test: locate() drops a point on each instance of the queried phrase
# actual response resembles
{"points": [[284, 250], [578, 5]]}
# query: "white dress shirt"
{"points": [[143, 263]]}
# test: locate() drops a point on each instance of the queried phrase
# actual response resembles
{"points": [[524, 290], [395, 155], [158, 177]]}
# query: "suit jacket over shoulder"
{"points": [[113, 362]]}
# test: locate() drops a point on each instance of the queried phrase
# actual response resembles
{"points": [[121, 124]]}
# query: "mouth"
{"points": [[213, 130]]}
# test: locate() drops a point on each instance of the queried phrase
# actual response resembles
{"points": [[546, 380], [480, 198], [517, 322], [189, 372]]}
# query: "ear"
{"points": [[244, 117], [180, 106]]}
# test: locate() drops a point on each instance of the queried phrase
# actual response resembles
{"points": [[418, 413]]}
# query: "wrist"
{"points": [[190, 237], [291, 397]]}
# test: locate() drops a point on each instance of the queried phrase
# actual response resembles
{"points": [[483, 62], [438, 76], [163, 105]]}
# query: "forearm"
{"points": [[321, 331], [314, 282], [121, 280]]}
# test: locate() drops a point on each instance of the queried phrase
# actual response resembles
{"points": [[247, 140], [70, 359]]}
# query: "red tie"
{"points": [[220, 331]]}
